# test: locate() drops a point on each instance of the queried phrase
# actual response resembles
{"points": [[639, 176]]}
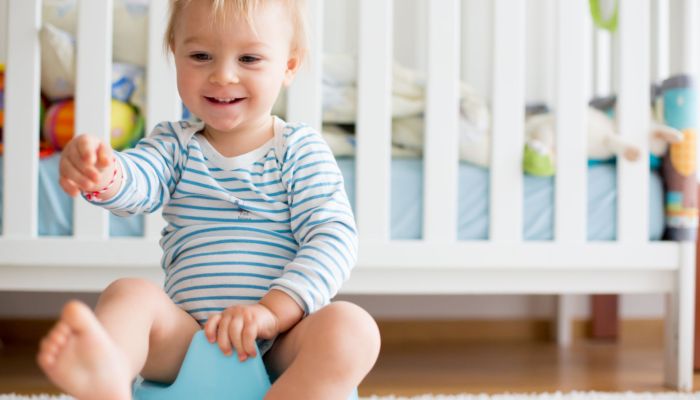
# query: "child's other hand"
{"points": [[239, 326], [87, 164]]}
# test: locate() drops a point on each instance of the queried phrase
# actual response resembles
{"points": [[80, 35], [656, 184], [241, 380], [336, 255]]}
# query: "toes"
{"points": [[59, 335], [78, 316], [51, 345], [56, 338], [45, 359], [48, 349]]}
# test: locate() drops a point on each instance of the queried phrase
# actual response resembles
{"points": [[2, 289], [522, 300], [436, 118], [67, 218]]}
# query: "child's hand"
{"points": [[87, 164], [239, 326]]}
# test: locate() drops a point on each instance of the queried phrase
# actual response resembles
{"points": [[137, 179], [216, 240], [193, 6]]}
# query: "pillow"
{"points": [[130, 26], [57, 63]]}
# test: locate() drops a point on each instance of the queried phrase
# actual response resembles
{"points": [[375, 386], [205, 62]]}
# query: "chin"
{"points": [[224, 127]]}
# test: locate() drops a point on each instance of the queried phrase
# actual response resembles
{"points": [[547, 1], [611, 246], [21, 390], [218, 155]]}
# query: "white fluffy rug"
{"points": [[507, 396], [553, 396]]}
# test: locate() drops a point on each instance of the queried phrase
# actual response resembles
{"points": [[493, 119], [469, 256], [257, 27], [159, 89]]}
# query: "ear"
{"points": [[293, 64]]}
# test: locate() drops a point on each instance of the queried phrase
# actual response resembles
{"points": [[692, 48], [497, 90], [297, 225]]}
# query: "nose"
{"points": [[224, 73]]}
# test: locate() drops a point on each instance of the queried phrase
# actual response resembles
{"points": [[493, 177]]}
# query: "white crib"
{"points": [[438, 263]]}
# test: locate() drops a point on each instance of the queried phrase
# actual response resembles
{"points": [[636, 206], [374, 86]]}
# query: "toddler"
{"points": [[259, 235]]}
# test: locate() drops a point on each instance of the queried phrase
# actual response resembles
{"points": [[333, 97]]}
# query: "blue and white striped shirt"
{"points": [[277, 217]]}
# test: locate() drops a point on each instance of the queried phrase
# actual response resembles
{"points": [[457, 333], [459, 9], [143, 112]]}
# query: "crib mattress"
{"points": [[56, 208], [538, 196]]}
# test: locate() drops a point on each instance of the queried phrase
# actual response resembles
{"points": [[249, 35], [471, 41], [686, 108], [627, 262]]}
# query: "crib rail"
{"points": [[573, 60], [166, 106], [442, 105], [633, 108], [22, 115], [92, 99], [571, 98], [374, 120], [304, 101], [507, 109], [374, 109]]}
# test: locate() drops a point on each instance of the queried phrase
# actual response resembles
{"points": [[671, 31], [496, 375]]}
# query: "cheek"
{"points": [[186, 81], [271, 84]]}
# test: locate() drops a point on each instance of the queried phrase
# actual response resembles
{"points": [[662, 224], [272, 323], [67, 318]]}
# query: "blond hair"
{"points": [[221, 10]]}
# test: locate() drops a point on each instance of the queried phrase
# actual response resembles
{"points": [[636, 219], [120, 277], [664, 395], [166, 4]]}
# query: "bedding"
{"points": [[56, 211]]}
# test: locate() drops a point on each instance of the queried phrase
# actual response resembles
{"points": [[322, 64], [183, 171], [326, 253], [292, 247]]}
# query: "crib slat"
{"points": [[21, 165], [602, 64], [304, 99], [92, 98], [683, 55], [441, 124], [571, 122], [477, 44], [660, 39], [163, 99], [507, 121], [634, 113], [374, 120]]}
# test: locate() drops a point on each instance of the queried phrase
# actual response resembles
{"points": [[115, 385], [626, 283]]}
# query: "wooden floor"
{"points": [[471, 368]]}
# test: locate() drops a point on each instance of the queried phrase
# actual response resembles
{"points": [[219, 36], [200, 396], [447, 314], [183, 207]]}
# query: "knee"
{"points": [[134, 287], [353, 334]]}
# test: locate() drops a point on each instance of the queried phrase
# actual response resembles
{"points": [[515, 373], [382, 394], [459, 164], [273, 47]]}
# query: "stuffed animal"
{"points": [[679, 101], [126, 124], [58, 69], [2, 98], [603, 142]]}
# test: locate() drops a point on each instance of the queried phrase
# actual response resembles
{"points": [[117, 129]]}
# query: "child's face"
{"points": [[230, 77]]}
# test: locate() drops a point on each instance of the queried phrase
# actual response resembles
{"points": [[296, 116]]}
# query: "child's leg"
{"points": [[325, 356], [135, 329]]}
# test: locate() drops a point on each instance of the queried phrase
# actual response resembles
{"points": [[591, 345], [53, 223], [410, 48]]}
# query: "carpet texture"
{"points": [[507, 396]]}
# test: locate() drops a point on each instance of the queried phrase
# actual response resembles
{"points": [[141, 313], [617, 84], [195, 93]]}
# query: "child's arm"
{"points": [[134, 181], [322, 222], [87, 165]]}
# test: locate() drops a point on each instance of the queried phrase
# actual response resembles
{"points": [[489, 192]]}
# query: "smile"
{"points": [[224, 100]]}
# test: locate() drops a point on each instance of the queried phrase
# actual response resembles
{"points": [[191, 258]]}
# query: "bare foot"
{"points": [[80, 358]]}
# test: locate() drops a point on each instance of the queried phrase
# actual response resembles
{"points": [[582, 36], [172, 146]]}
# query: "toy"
{"points": [[58, 69], [59, 125], [603, 142], [206, 373], [601, 18], [2, 98], [679, 101]]}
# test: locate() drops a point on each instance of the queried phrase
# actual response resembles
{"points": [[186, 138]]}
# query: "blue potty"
{"points": [[206, 373]]}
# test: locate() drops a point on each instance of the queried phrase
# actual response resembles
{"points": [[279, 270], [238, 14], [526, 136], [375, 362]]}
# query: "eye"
{"points": [[248, 59], [200, 56]]}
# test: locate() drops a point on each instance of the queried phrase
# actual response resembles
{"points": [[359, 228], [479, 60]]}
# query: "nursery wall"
{"points": [[409, 50]]}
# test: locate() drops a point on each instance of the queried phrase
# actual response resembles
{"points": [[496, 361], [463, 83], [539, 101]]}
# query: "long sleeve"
{"points": [[321, 221], [150, 170]]}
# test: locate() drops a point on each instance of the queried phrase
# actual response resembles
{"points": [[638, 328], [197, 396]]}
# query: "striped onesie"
{"points": [[277, 217]]}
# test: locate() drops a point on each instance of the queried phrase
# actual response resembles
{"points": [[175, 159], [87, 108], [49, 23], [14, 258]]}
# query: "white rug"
{"points": [[507, 396], [553, 396]]}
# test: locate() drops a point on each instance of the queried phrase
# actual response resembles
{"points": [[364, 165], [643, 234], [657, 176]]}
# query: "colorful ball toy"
{"points": [[59, 125]]}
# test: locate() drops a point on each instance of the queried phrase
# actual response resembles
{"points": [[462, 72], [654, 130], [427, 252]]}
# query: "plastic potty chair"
{"points": [[206, 373]]}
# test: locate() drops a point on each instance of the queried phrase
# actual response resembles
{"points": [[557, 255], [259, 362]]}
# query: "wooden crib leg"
{"points": [[604, 316]]}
